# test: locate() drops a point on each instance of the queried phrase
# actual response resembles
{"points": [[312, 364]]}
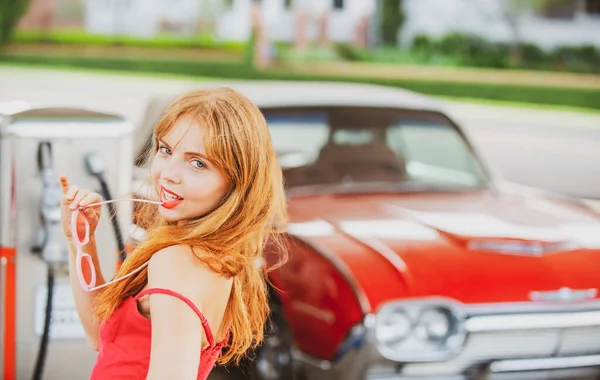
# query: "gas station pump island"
{"points": [[37, 145]]}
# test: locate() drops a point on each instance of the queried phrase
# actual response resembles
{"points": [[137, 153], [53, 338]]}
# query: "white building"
{"points": [[140, 18], [579, 25], [146, 18], [576, 24]]}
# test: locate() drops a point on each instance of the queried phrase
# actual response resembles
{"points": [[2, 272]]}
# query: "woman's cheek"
{"points": [[155, 169]]}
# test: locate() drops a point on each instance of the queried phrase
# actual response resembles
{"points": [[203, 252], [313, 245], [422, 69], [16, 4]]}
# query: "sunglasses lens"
{"points": [[87, 259], [74, 234]]}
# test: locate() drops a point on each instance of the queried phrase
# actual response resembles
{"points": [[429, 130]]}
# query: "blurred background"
{"points": [[522, 77]]}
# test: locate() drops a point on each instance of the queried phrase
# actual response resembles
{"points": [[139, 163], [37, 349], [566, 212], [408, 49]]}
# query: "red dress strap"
{"points": [[207, 330]]}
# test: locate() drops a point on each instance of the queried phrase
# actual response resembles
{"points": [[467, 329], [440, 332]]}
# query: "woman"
{"points": [[215, 173]]}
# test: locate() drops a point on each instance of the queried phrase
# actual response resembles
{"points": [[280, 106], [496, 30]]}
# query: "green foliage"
{"points": [[348, 52], [470, 50], [11, 12], [76, 37], [392, 18], [585, 98]]}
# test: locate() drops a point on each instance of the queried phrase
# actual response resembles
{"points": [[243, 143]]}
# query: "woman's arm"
{"points": [[177, 333], [74, 197]]}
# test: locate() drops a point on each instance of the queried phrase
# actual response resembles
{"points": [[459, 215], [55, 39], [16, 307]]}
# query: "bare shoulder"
{"points": [[177, 268]]}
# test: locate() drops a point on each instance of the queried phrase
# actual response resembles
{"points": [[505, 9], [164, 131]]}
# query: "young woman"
{"points": [[199, 286]]}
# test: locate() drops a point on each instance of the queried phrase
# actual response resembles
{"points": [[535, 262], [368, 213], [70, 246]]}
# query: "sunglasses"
{"points": [[83, 257]]}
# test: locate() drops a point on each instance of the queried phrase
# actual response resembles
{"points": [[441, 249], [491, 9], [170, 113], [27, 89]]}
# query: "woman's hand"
{"points": [[73, 198]]}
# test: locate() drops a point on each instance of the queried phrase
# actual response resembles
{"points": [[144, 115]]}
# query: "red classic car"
{"points": [[409, 257]]}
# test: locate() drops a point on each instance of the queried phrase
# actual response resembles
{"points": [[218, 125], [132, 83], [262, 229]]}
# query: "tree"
{"points": [[11, 12], [511, 13], [391, 18]]}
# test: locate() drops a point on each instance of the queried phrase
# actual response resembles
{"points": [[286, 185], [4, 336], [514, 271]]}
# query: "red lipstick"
{"points": [[169, 198]]}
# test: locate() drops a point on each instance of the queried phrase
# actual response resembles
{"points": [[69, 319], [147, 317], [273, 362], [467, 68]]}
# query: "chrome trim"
{"points": [[529, 307], [333, 259], [393, 376], [313, 361], [533, 364], [564, 294], [3, 265], [414, 309], [512, 247], [537, 321]]}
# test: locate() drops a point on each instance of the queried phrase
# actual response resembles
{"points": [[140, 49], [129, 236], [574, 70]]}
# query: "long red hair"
{"points": [[231, 238]]}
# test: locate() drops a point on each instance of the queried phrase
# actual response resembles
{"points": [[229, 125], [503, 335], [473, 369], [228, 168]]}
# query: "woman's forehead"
{"points": [[187, 133]]}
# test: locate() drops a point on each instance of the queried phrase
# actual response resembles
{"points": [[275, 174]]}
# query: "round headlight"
{"points": [[392, 327], [435, 325]]}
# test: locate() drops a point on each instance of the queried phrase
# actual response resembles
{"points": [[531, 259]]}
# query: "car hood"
{"points": [[475, 247]]}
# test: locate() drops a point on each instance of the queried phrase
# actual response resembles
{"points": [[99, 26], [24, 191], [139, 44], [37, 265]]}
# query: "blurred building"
{"points": [[49, 14], [281, 17], [335, 20], [142, 18], [547, 24]]}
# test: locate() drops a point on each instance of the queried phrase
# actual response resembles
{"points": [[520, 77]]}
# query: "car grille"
{"points": [[581, 340], [485, 347]]}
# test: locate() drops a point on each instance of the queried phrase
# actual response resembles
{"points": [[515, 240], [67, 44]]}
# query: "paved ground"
{"points": [[555, 150]]}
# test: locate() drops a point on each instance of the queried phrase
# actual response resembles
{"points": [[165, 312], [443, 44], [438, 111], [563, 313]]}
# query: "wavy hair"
{"points": [[231, 238]]}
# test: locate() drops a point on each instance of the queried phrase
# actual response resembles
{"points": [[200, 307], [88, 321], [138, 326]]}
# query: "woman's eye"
{"points": [[164, 150], [198, 164]]}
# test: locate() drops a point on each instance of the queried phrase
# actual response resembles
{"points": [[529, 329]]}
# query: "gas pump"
{"points": [[40, 332], [53, 247]]}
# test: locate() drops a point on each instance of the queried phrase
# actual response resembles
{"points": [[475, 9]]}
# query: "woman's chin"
{"points": [[169, 215]]}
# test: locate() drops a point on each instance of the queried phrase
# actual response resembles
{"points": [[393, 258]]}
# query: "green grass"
{"points": [[76, 37], [47, 66]]}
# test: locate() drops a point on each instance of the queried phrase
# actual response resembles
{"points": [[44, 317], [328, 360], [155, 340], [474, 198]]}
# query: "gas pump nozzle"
{"points": [[54, 249]]}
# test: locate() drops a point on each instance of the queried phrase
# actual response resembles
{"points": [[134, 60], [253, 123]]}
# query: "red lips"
{"points": [[169, 202]]}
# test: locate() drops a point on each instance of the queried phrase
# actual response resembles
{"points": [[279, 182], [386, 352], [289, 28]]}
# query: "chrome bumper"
{"points": [[531, 342]]}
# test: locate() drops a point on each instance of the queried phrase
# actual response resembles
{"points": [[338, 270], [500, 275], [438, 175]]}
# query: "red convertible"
{"points": [[410, 258]]}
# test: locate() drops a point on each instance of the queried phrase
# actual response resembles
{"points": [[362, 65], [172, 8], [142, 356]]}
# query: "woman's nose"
{"points": [[171, 172]]}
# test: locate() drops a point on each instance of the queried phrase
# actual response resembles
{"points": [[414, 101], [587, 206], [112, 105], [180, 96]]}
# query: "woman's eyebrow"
{"points": [[164, 143], [196, 154], [203, 155]]}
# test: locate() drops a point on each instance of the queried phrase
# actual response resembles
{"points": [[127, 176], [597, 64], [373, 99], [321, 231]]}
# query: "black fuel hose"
{"points": [[44, 158], [113, 217], [41, 357], [95, 166]]}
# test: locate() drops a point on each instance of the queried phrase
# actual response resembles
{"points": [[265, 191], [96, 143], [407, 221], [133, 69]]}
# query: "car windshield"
{"points": [[371, 148]]}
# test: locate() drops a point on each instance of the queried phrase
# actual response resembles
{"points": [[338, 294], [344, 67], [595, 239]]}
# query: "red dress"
{"points": [[124, 352]]}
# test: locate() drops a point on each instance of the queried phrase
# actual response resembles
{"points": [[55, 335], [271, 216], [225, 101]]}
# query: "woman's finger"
{"points": [[71, 192], [64, 182], [90, 199], [80, 195]]}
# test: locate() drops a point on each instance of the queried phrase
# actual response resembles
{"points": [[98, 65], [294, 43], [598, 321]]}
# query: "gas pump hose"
{"points": [[95, 166], [41, 357], [49, 250]]}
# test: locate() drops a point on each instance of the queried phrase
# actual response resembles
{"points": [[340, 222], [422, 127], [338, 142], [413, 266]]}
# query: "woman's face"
{"points": [[187, 181]]}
